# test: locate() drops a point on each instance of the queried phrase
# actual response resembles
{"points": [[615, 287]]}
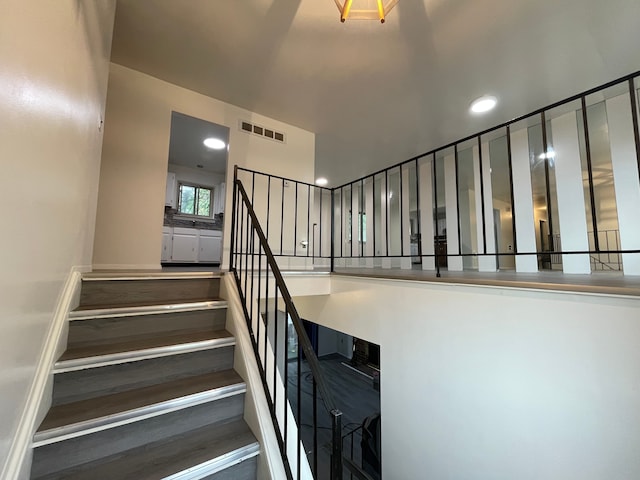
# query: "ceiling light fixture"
{"points": [[484, 104], [214, 143], [362, 13], [321, 181]]}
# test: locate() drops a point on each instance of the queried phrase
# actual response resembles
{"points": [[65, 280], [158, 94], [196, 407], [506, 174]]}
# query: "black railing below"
{"points": [[269, 311]]}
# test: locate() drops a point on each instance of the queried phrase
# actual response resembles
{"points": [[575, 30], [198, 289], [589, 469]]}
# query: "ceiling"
{"points": [[186, 147], [378, 94]]}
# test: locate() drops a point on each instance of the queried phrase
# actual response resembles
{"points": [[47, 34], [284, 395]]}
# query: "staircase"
{"points": [[146, 388]]}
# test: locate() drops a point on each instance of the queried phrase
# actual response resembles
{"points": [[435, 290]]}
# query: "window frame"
{"points": [[197, 187]]}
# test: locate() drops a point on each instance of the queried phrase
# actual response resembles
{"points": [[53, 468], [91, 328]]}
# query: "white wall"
{"points": [[135, 159], [53, 82], [327, 341], [495, 383]]}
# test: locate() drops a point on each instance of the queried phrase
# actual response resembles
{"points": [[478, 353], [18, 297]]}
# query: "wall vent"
{"points": [[261, 131]]}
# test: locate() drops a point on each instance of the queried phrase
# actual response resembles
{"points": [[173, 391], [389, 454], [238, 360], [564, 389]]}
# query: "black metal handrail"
{"points": [[248, 243]]}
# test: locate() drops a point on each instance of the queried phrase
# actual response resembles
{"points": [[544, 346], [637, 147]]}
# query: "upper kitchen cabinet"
{"points": [[170, 195]]}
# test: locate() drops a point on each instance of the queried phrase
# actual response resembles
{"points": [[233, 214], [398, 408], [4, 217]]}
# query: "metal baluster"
{"points": [[386, 206], [299, 408], [513, 205], [282, 218], [295, 225], [484, 220], [455, 149], [401, 200]]}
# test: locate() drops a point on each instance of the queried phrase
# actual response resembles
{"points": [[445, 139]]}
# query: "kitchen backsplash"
{"points": [[171, 219]]}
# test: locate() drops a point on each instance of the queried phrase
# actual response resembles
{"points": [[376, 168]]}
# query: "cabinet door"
{"points": [[210, 249], [167, 240], [185, 248], [170, 195]]}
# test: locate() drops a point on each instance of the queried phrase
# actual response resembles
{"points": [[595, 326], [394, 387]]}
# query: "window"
{"points": [[194, 200]]}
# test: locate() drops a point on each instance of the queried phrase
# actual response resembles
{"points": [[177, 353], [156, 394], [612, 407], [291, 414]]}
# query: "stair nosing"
{"points": [[146, 310], [86, 427], [152, 276], [218, 464], [64, 366]]}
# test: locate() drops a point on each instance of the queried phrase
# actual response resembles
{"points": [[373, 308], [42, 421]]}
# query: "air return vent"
{"points": [[262, 131]]}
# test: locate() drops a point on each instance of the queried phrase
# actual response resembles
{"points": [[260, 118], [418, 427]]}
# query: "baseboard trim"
{"points": [[54, 343]]}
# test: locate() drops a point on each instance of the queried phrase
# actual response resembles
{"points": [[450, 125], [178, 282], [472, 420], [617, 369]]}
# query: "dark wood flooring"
{"points": [[354, 396]]}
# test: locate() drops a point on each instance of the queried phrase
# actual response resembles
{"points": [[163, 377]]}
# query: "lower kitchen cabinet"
{"points": [[190, 245], [210, 246], [167, 244], [185, 245]]}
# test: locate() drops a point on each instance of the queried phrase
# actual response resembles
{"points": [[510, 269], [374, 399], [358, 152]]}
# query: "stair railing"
{"points": [[279, 349]]}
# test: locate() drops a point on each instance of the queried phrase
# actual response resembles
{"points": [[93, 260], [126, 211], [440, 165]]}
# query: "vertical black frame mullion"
{"points": [[282, 218], [418, 215], [309, 242], [361, 214], [295, 225], [373, 214], [434, 215], [545, 151], [513, 206], [351, 217], [587, 145], [401, 200], [386, 207], [320, 225], [484, 220]]}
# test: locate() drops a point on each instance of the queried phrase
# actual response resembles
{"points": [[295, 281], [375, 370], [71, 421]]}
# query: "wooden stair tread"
{"points": [[109, 405], [146, 303], [94, 350], [166, 457]]}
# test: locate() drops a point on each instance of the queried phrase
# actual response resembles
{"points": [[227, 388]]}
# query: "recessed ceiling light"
{"points": [[484, 104], [214, 143], [321, 181]]}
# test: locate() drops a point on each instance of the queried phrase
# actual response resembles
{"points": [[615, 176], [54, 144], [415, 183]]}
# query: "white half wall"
{"points": [[425, 169], [571, 208], [523, 202], [490, 383], [53, 83], [135, 159], [450, 189], [625, 174]]}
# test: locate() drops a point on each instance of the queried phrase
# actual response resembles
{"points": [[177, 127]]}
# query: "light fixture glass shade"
{"points": [[361, 9], [484, 104]]}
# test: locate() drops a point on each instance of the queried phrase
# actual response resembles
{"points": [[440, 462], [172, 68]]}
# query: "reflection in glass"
{"points": [[604, 195], [467, 206], [501, 201]]}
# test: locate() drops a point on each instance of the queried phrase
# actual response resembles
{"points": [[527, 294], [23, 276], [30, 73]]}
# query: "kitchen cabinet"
{"points": [[167, 244], [210, 246], [185, 245], [191, 245], [170, 195]]}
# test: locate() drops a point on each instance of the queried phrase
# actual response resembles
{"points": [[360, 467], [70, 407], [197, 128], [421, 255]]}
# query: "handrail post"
{"points": [[336, 450], [233, 218]]}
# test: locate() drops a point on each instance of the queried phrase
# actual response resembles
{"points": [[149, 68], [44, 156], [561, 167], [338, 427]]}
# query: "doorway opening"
{"points": [[196, 192]]}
